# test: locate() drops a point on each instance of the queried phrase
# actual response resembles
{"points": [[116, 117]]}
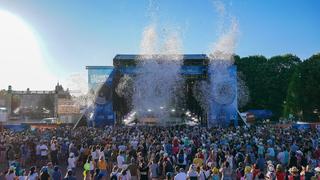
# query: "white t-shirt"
{"points": [[43, 150], [72, 162], [120, 161], [38, 149], [53, 147], [94, 155], [101, 154], [180, 176]]}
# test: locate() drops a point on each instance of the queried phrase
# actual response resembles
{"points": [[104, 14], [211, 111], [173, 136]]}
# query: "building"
{"points": [[34, 105]]}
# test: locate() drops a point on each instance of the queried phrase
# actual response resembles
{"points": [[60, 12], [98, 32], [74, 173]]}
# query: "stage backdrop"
{"points": [[223, 101]]}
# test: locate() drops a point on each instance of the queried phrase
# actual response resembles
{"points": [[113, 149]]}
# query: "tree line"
{"points": [[284, 84]]}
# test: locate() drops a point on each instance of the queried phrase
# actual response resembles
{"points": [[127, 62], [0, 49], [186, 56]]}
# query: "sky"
{"points": [[71, 34]]}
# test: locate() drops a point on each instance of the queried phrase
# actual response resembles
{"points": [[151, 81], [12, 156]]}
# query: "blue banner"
{"points": [[193, 70], [97, 75]]}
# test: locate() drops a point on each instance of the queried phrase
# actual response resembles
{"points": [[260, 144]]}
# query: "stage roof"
{"points": [[136, 56]]}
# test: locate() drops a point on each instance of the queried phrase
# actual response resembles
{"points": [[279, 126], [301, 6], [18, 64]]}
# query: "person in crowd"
{"points": [[294, 173], [215, 174], [102, 166], [11, 175], [33, 175], [69, 175], [143, 170], [115, 173], [226, 171], [44, 175], [72, 161], [248, 175], [280, 174], [200, 150], [56, 175], [181, 175], [125, 173], [154, 170], [97, 175], [134, 169], [192, 174]]}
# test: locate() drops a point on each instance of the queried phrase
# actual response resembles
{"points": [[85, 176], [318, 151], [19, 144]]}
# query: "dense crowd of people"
{"points": [[179, 153]]}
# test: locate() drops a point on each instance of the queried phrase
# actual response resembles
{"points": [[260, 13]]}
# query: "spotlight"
{"points": [[149, 110], [173, 110], [161, 107]]}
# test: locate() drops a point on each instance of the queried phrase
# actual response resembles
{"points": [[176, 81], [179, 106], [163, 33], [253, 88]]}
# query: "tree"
{"points": [[310, 83], [279, 69]]}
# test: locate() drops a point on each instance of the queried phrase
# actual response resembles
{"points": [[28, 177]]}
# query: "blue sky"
{"points": [[76, 33]]}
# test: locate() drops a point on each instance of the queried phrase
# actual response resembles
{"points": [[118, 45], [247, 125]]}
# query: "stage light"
{"points": [[161, 107], [173, 110], [149, 110]]}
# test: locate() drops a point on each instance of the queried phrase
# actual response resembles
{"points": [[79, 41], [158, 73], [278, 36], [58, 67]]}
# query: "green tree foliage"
{"points": [[253, 70], [284, 84], [310, 81], [279, 72]]}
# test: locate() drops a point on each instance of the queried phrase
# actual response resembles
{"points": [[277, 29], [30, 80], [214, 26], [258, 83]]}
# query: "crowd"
{"points": [[179, 153]]}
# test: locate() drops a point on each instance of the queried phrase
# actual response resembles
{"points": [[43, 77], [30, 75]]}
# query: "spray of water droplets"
{"points": [[125, 87], [220, 86], [158, 79]]}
